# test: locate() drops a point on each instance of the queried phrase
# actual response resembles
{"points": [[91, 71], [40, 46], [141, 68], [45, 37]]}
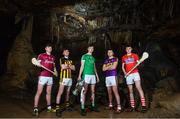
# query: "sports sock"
{"points": [[143, 101], [132, 102], [82, 106]]}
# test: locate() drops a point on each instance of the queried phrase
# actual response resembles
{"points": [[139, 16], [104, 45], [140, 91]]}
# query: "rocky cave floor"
{"points": [[22, 108]]}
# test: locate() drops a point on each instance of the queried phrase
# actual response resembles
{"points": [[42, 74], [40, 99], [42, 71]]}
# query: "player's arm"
{"points": [[39, 58], [136, 57], [96, 73], [72, 67], [114, 65], [105, 67], [123, 69], [55, 71], [62, 65], [81, 69], [123, 65]]}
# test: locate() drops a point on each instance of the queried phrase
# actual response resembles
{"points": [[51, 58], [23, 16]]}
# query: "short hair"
{"points": [[128, 46], [110, 49], [65, 49], [90, 45], [48, 45]]}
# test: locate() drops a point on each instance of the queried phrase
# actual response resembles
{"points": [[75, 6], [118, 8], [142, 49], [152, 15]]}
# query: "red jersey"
{"points": [[130, 61], [48, 62]]}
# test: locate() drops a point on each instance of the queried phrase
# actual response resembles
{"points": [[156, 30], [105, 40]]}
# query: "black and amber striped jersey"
{"points": [[65, 73]]}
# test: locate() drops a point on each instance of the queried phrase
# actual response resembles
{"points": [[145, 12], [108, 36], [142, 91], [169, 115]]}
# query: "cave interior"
{"points": [[151, 26]]}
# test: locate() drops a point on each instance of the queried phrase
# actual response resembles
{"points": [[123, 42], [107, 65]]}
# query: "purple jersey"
{"points": [[108, 62]]}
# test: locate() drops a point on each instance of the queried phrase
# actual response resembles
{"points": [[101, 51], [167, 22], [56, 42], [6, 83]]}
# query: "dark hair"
{"points": [[90, 45], [65, 49], [48, 45], [128, 46], [109, 49]]}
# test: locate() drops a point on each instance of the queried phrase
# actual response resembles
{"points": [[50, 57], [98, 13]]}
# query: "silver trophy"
{"points": [[78, 87]]}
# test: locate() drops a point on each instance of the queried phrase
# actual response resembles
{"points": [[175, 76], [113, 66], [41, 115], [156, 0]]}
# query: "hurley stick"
{"points": [[144, 57], [37, 63]]}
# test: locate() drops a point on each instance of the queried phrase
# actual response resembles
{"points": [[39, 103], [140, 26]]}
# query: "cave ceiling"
{"points": [[81, 18]]}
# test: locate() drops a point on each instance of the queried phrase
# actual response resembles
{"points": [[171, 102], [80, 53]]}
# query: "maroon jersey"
{"points": [[48, 62]]}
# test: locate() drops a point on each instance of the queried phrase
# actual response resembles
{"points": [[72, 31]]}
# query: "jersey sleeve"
{"points": [[62, 61], [54, 59], [83, 58], [136, 57], [116, 59], [71, 61], [105, 61], [40, 57], [122, 60]]}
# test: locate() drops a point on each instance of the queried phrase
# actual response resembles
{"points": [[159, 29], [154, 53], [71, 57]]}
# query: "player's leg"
{"points": [[109, 90], [131, 97], [93, 94], [48, 93], [58, 97], [48, 97], [41, 82], [68, 88], [93, 84], [130, 82], [140, 90], [38, 94], [69, 84], [83, 98], [116, 93], [36, 98]]}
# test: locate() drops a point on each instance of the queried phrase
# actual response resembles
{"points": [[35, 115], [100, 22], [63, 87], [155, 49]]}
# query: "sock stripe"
{"points": [[143, 101]]}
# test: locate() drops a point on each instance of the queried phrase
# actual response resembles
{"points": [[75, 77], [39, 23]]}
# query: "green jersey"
{"points": [[89, 61]]}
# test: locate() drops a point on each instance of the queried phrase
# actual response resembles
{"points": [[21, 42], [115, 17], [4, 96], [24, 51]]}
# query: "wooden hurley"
{"points": [[144, 57], [37, 63]]}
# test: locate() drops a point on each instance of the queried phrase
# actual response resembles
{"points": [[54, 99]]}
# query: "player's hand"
{"points": [[39, 63], [71, 67], [79, 78], [97, 80], [64, 66], [55, 73], [124, 73]]}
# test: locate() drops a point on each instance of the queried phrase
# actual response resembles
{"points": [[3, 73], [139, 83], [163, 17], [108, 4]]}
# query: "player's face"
{"points": [[66, 52], [110, 53], [90, 49], [48, 49], [128, 50]]}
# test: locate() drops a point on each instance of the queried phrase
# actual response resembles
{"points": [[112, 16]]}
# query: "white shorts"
{"points": [[132, 78], [90, 79], [66, 82], [111, 81], [45, 80]]}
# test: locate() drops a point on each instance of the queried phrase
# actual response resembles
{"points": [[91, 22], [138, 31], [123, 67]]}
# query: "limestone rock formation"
{"points": [[19, 67]]}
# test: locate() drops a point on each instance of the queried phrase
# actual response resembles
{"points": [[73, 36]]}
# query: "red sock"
{"points": [[143, 101], [132, 103]]}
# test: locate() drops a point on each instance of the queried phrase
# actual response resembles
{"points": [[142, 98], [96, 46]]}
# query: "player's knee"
{"points": [[60, 93], [48, 93], [139, 88], [38, 92], [68, 92], [110, 92], [131, 91], [92, 92]]}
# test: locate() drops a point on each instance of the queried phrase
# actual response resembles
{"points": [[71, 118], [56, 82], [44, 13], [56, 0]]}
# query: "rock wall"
{"points": [[19, 67]]}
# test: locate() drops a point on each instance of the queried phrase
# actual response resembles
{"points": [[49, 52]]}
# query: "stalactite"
{"points": [[171, 8]]}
